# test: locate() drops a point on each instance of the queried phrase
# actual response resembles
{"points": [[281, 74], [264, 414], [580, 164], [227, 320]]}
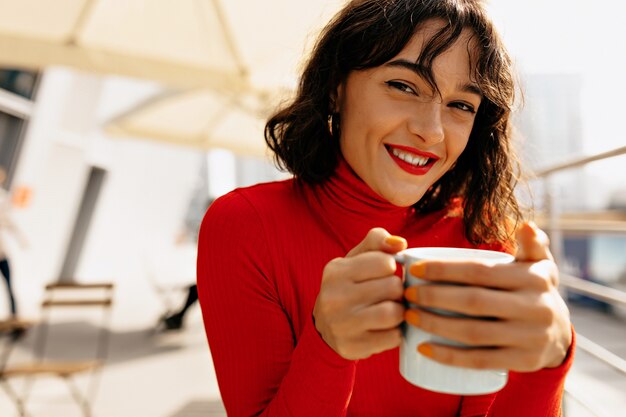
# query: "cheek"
{"points": [[458, 148], [361, 135], [353, 149], [459, 139]]}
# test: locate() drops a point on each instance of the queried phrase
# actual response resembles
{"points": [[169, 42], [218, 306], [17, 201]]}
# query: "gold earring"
{"points": [[330, 124]]}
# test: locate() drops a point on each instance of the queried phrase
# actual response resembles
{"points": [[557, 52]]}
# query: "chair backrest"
{"points": [[66, 362], [77, 296]]}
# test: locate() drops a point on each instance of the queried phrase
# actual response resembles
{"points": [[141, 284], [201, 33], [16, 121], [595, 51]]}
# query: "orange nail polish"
{"points": [[412, 317], [426, 350], [418, 269], [411, 295], [531, 227], [394, 241]]}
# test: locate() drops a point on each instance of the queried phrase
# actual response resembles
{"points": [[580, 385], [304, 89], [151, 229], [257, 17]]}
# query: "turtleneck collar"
{"points": [[351, 208]]}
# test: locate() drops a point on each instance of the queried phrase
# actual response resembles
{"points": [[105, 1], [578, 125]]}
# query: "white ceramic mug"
{"points": [[425, 372]]}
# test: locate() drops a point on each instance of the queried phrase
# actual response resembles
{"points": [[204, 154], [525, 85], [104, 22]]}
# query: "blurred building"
{"points": [[551, 130], [550, 125]]}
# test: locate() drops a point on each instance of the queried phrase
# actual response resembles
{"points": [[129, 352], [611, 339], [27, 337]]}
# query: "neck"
{"points": [[350, 208]]}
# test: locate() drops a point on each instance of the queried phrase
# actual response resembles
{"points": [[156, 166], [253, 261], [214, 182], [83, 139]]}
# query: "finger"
{"points": [[374, 291], [382, 316], [378, 239], [513, 359], [469, 300], [469, 331], [514, 276], [532, 244], [378, 341], [365, 266]]}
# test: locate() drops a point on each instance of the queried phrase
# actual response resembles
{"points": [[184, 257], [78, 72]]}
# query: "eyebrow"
{"points": [[470, 87]]}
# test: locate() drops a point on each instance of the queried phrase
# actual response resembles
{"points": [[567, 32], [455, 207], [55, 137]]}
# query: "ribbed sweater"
{"points": [[261, 253]]}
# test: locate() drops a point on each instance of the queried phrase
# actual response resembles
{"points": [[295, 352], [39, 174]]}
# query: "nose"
{"points": [[426, 122]]}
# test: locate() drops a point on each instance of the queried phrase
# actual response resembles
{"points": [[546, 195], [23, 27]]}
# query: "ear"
{"points": [[336, 98]]}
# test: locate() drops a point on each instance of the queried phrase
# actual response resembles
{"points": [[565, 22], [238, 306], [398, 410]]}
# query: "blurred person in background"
{"points": [[399, 135], [176, 320], [7, 225]]}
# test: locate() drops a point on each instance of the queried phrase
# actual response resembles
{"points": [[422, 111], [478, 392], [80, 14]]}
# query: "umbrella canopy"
{"points": [[200, 118], [229, 58], [238, 44]]}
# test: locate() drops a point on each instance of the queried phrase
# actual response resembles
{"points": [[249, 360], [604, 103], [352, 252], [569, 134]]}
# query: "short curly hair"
{"points": [[368, 33]]}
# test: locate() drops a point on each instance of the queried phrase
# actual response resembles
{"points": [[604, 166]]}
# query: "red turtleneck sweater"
{"points": [[260, 259]]}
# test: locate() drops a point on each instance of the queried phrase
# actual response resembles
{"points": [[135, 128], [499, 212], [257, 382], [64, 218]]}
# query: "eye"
{"points": [[463, 106], [399, 85]]}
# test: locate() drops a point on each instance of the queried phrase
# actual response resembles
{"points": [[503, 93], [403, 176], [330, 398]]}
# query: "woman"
{"points": [[398, 135]]}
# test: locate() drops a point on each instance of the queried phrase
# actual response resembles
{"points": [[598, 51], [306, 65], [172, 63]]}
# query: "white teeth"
{"points": [[410, 158]]}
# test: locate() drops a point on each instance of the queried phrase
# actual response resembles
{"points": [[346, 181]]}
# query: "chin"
{"points": [[404, 201]]}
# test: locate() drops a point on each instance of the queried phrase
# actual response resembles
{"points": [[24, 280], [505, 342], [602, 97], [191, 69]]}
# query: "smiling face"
{"points": [[399, 135]]}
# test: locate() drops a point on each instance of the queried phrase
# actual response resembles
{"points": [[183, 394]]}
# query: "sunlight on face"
{"points": [[397, 134]]}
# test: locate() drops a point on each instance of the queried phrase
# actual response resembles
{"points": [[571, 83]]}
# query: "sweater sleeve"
{"points": [[537, 393], [260, 366]]}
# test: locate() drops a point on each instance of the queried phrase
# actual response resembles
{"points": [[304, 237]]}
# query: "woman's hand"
{"points": [[532, 327], [359, 307]]}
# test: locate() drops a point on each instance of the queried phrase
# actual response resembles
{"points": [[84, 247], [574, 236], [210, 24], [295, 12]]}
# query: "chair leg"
{"points": [[80, 399], [27, 387], [17, 400]]}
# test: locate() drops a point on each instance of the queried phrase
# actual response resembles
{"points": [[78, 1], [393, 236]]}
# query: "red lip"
{"points": [[412, 169], [414, 151]]}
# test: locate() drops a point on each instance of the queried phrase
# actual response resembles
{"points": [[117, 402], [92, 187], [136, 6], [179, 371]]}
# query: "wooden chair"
{"points": [[66, 370]]}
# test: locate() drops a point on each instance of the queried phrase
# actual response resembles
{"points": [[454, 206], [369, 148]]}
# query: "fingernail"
{"points": [[394, 241], [418, 269], [411, 295], [412, 317], [531, 226], [426, 350]]}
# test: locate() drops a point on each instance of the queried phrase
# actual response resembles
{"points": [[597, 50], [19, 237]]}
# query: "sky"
{"points": [[574, 36]]}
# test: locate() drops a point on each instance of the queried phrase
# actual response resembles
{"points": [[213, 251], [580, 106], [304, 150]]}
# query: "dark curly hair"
{"points": [[368, 33]]}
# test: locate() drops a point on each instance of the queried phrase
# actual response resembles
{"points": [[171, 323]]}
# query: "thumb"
{"points": [[532, 244], [378, 239]]}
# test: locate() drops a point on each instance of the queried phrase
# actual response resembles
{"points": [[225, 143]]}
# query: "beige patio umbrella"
{"points": [[200, 118], [242, 47], [212, 43]]}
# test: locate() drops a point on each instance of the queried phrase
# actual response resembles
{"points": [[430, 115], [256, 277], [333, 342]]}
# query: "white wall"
{"points": [[54, 167], [131, 240], [141, 204], [140, 211]]}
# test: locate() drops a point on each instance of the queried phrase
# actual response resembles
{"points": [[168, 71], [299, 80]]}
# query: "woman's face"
{"points": [[398, 134]]}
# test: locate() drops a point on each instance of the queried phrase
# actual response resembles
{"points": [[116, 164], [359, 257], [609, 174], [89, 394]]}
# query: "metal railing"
{"points": [[596, 291], [607, 222], [579, 162], [554, 226]]}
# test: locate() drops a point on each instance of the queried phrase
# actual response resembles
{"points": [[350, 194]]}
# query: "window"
{"points": [[12, 128]]}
